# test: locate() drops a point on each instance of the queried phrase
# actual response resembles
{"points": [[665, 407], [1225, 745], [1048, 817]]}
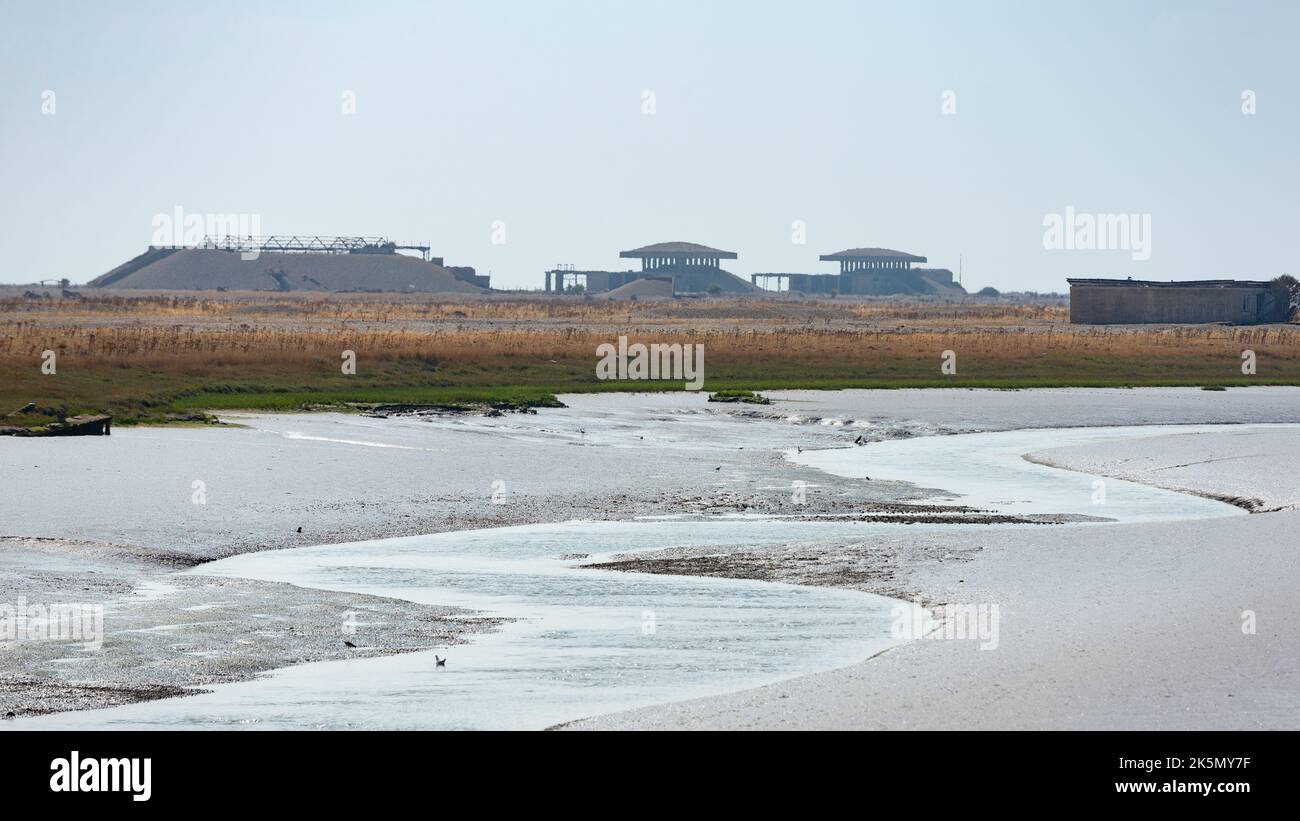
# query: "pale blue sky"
{"points": [[766, 113]]}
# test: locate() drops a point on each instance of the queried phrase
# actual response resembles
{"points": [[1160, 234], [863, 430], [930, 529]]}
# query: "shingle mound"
{"points": [[644, 288], [201, 269]]}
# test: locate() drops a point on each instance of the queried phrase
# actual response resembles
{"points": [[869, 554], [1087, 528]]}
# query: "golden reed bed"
{"points": [[132, 353]]}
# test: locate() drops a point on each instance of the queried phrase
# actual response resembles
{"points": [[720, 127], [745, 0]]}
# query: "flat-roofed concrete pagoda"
{"points": [[872, 259], [671, 254], [691, 268], [867, 272]]}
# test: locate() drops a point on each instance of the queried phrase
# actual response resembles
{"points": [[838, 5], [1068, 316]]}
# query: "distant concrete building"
{"points": [[1135, 301], [797, 283], [561, 280], [466, 273], [869, 272], [691, 267]]}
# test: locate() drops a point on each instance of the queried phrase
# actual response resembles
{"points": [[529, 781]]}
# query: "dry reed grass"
{"points": [[145, 351], [181, 346]]}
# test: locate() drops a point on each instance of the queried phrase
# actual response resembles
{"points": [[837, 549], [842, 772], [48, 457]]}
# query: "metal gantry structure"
{"points": [[303, 244]]}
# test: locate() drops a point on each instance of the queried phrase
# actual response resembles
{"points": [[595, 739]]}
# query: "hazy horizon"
{"points": [[575, 130]]}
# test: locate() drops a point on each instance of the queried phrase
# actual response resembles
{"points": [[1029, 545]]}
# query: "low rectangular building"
{"points": [[1134, 301]]}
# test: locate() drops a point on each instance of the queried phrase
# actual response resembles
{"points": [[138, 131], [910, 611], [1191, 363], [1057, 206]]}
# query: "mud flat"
{"points": [[1153, 625], [170, 634], [112, 520], [1251, 469], [585, 638]]}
